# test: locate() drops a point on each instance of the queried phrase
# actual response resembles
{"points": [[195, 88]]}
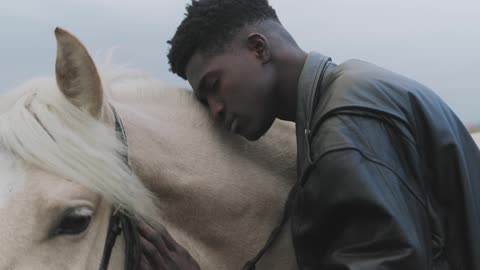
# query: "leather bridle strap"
{"points": [[251, 264], [120, 220], [114, 229]]}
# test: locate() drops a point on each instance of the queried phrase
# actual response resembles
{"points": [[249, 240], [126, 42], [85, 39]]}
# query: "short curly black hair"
{"points": [[210, 25]]}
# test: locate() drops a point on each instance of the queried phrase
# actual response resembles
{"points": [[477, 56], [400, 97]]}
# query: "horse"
{"points": [[89, 143]]}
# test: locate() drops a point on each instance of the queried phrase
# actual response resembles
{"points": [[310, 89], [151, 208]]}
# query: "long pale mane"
{"points": [[126, 85], [40, 126]]}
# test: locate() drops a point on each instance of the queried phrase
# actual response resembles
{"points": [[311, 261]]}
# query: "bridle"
{"points": [[120, 220]]}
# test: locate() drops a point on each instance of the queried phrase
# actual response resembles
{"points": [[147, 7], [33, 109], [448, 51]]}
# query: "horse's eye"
{"points": [[74, 221]]}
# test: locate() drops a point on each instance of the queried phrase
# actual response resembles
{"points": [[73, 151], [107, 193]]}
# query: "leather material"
{"points": [[121, 221], [388, 175]]}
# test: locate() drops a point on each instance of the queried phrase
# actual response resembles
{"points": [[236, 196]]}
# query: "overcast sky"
{"points": [[436, 42]]}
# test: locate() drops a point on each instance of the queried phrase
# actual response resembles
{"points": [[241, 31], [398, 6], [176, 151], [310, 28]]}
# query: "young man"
{"points": [[388, 177]]}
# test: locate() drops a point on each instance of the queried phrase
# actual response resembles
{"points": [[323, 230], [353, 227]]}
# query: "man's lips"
{"points": [[234, 125], [231, 124], [228, 121]]}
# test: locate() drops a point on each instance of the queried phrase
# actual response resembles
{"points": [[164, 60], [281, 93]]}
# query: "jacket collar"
{"points": [[312, 75]]}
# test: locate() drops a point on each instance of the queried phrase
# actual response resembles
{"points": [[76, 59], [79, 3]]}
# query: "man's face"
{"points": [[237, 87]]}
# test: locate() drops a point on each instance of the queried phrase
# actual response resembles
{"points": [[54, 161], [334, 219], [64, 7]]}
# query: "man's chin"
{"points": [[253, 138], [255, 135]]}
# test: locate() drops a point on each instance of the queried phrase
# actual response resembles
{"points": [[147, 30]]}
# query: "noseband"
{"points": [[120, 220]]}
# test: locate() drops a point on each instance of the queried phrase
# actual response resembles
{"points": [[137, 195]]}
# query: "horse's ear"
{"points": [[76, 74]]}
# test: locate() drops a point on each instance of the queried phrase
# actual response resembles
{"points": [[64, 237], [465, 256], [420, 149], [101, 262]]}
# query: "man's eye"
{"points": [[213, 87], [209, 88], [203, 101]]}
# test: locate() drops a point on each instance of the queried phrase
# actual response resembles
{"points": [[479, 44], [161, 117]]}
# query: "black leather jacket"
{"points": [[389, 178]]}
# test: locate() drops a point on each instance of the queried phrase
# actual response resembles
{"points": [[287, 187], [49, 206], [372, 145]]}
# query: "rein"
{"points": [[120, 220], [251, 264]]}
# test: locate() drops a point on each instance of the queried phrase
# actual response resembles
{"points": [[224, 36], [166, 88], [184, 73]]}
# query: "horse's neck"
{"points": [[209, 181], [175, 148]]}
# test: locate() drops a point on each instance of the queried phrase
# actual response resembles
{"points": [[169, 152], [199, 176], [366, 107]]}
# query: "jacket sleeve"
{"points": [[354, 212]]}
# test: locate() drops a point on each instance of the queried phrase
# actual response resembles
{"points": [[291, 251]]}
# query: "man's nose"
{"points": [[216, 108]]}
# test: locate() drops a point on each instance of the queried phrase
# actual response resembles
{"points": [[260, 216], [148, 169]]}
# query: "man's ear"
{"points": [[258, 44]]}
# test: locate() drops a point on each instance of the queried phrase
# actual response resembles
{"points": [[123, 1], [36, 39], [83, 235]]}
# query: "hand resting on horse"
{"points": [[161, 252]]}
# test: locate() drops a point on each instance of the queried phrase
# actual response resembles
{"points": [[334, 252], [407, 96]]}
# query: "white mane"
{"points": [[125, 85], [40, 126]]}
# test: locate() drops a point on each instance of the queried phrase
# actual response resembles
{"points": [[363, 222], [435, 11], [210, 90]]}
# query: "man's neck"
{"points": [[289, 66]]}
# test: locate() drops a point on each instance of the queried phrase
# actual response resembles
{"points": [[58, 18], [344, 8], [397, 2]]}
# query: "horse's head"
{"points": [[62, 170]]}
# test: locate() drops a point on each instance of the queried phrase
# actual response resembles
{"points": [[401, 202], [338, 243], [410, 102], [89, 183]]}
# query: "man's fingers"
{"points": [[146, 230], [160, 251], [144, 264], [168, 239], [153, 253], [159, 237]]}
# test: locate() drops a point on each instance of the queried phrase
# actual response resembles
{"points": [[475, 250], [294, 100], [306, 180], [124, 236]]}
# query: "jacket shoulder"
{"points": [[363, 86], [357, 74]]}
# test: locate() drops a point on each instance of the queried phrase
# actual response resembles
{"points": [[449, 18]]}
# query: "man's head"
{"points": [[226, 49]]}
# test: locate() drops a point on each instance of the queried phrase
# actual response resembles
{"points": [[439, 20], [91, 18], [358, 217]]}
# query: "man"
{"points": [[388, 177]]}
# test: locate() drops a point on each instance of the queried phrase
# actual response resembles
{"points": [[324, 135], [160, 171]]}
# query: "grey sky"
{"points": [[436, 42]]}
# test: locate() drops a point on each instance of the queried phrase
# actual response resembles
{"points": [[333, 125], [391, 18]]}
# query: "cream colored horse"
{"points": [[219, 195]]}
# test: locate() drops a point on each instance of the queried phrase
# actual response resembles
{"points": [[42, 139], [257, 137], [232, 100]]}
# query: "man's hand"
{"points": [[161, 252]]}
